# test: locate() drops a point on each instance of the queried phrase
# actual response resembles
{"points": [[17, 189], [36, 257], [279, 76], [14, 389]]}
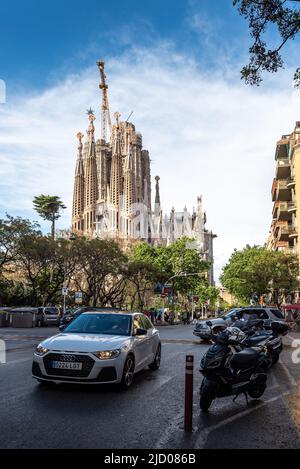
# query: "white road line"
{"points": [[291, 379], [204, 434]]}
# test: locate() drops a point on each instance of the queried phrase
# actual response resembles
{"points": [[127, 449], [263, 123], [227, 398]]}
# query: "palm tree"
{"points": [[48, 207]]}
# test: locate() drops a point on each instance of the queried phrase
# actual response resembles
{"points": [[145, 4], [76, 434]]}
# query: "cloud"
{"points": [[206, 135]]}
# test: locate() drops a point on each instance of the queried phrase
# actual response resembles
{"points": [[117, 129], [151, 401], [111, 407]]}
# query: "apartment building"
{"points": [[285, 191]]}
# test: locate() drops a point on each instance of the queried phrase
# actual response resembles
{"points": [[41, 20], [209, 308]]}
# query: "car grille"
{"points": [[87, 365]]}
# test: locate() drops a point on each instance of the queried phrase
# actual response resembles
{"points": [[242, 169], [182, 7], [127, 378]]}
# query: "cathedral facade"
{"points": [[112, 192]]}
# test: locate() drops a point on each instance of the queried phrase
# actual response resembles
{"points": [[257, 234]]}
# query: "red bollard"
{"points": [[188, 403]]}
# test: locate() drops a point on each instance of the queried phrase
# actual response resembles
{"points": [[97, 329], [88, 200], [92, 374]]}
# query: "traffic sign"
{"points": [[78, 297], [167, 289], [64, 291]]}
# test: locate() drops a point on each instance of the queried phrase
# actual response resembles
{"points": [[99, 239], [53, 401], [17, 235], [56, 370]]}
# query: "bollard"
{"points": [[188, 402]]}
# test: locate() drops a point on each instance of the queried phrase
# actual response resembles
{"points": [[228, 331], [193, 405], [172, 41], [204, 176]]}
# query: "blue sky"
{"points": [[41, 40], [176, 65]]}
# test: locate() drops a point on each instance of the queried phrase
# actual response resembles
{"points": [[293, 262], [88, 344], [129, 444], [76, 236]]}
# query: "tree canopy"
{"points": [[49, 207], [259, 270], [264, 16]]}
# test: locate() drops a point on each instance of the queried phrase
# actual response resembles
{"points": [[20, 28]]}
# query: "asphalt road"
{"points": [[150, 414]]}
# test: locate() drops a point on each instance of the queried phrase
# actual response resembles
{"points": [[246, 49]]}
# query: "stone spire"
{"points": [[91, 182], [129, 189], [116, 175], [78, 194], [157, 205]]}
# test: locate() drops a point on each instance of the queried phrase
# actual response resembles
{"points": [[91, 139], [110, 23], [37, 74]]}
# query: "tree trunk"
{"points": [[53, 226]]}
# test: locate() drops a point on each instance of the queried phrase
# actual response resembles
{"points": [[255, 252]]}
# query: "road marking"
{"points": [[204, 434], [291, 379]]}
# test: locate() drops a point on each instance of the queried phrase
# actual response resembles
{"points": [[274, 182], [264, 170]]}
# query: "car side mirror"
{"points": [[140, 332], [209, 323]]}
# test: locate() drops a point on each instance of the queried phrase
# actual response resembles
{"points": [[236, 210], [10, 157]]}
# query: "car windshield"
{"points": [[111, 324], [230, 314], [51, 310]]}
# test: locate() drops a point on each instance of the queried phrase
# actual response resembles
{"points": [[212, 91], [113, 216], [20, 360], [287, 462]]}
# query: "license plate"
{"points": [[67, 366]]}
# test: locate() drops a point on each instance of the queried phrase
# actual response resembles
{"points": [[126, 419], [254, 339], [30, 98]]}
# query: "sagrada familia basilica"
{"points": [[112, 190]]}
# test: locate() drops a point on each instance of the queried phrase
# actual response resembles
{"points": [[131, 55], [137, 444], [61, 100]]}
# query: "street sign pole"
{"points": [[64, 293]]}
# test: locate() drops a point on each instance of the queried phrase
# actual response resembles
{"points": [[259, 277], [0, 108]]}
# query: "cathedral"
{"points": [[112, 190]]}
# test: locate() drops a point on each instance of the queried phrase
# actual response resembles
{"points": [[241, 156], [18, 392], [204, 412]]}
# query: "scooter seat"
{"points": [[244, 359]]}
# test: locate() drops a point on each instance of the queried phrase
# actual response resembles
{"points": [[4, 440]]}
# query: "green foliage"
{"points": [[174, 259], [48, 207], [284, 15], [256, 269], [207, 292]]}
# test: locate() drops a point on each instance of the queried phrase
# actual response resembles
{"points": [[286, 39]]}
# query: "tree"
{"points": [[263, 15], [257, 269], [49, 207], [172, 260], [11, 230], [142, 276], [206, 292], [101, 271]]}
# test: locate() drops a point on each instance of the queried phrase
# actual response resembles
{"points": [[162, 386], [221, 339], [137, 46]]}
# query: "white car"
{"points": [[99, 347]]}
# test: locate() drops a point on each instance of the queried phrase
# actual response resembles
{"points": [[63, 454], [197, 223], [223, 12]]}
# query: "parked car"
{"points": [[50, 315], [67, 318], [202, 329], [110, 347]]}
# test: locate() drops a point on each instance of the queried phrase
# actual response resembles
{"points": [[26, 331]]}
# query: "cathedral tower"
{"points": [[78, 194]]}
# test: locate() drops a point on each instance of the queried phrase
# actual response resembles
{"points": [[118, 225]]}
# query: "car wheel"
{"points": [[128, 372], [156, 363]]}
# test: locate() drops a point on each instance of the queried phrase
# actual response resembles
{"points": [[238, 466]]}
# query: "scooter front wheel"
{"points": [[257, 391], [207, 395]]}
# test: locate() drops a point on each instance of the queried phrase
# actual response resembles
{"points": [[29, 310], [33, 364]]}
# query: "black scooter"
{"points": [[264, 332], [230, 370]]}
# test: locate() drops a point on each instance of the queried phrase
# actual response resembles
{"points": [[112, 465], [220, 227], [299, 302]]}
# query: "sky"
{"points": [[176, 64]]}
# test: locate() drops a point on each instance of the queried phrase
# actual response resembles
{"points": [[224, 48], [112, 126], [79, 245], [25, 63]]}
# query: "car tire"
{"points": [[128, 373], [156, 362]]}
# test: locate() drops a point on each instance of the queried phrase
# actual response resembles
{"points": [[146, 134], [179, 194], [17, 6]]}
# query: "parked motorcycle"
{"points": [[229, 369], [266, 333]]}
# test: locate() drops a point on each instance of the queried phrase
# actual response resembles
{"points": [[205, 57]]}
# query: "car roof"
{"points": [[111, 311]]}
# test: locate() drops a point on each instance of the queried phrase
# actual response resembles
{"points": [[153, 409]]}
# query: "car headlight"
{"points": [[40, 350], [108, 354]]}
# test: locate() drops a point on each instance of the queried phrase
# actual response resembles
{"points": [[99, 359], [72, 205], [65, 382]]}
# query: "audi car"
{"points": [[99, 347]]}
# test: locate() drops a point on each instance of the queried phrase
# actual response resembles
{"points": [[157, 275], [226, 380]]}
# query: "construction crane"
{"points": [[105, 114]]}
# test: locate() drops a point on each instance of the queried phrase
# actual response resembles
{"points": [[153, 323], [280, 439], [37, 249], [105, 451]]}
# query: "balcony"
{"points": [[283, 168], [282, 148], [282, 246], [281, 231], [293, 232], [290, 182], [275, 210], [292, 207], [283, 211], [274, 189], [283, 192]]}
